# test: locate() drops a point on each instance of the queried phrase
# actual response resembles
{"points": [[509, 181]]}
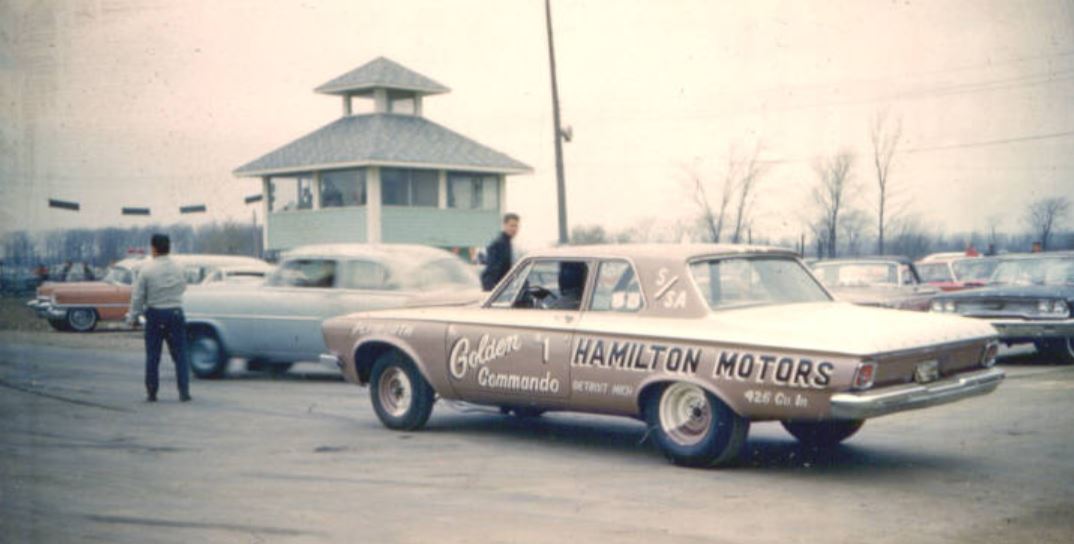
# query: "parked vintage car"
{"points": [[697, 340], [1028, 299], [956, 273], [888, 282], [255, 272], [278, 322], [80, 306]]}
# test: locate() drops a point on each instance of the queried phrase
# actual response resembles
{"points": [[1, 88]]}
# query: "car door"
{"points": [[291, 307], [516, 349]]}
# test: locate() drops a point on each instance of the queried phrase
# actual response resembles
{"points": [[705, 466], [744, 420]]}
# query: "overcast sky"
{"points": [[153, 102]]}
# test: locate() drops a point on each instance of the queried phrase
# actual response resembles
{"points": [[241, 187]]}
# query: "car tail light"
{"points": [[863, 376], [989, 354]]}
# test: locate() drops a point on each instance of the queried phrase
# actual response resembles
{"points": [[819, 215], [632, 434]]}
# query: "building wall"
{"points": [[438, 227], [287, 230]]}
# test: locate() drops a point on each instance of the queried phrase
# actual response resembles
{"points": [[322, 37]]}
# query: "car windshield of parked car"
{"points": [[857, 274], [1042, 271], [750, 281], [119, 275], [934, 272], [305, 273], [974, 269]]}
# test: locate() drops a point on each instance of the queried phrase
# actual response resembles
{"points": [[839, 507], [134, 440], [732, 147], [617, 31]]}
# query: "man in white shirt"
{"points": [[158, 293]]}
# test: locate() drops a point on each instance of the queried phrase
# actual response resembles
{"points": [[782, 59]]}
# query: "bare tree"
{"points": [[713, 219], [884, 137], [1046, 214], [588, 235], [830, 195], [853, 227], [749, 173]]}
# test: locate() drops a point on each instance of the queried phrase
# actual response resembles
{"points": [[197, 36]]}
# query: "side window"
{"points": [[305, 273], [507, 297], [907, 275], [360, 274], [551, 285], [617, 288]]}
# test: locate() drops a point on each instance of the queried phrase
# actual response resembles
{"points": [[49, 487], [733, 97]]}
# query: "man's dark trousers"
{"points": [[166, 325]]}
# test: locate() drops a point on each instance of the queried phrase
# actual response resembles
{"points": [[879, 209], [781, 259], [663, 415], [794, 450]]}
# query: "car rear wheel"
{"points": [[401, 397], [81, 319], [208, 358], [1060, 350], [823, 434], [693, 427]]}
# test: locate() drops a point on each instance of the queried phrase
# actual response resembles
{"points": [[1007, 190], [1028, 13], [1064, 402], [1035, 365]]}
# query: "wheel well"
{"points": [[655, 387], [367, 354], [648, 391]]}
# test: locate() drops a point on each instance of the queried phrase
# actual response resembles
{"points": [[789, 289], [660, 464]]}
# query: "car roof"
{"points": [[875, 259], [365, 250], [661, 251], [1041, 255]]}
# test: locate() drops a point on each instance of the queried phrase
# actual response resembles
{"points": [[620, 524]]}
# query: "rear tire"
{"points": [[401, 397], [81, 319], [206, 353], [693, 427], [823, 434], [1059, 350]]}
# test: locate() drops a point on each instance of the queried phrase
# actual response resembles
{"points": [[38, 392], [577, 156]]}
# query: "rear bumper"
{"points": [[331, 360], [1021, 329], [889, 400]]}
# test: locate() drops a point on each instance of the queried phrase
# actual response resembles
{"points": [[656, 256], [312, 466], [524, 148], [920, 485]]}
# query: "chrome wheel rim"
{"points": [[685, 414], [204, 353], [81, 319], [395, 392]]}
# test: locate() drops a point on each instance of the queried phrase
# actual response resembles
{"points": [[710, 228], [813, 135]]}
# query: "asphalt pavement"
{"points": [[302, 458]]}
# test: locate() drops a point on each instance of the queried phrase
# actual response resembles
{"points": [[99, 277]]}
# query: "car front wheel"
{"points": [[1060, 350], [81, 319], [208, 358], [823, 434], [59, 324], [401, 397], [693, 427]]}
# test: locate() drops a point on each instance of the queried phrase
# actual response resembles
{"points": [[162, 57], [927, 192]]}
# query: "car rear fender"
{"points": [[653, 384]]}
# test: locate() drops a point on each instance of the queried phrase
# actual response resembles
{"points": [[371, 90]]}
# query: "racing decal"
{"points": [[665, 294], [401, 330], [773, 370], [635, 356], [778, 398], [464, 359], [602, 388]]}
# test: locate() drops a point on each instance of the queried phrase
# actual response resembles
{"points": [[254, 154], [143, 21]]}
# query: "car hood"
{"points": [[1014, 291], [842, 328]]}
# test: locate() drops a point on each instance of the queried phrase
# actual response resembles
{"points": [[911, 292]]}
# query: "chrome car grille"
{"points": [[999, 308]]}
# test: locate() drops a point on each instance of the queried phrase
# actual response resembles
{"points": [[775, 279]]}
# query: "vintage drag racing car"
{"points": [[697, 340]]}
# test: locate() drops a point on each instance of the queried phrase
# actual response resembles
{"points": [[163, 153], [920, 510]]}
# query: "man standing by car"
{"points": [[158, 293], [498, 256]]}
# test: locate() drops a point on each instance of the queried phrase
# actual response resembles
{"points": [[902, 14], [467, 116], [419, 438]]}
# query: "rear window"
{"points": [[752, 281]]}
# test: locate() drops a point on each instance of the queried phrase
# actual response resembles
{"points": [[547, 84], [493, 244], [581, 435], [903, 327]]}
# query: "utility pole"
{"points": [[560, 182]]}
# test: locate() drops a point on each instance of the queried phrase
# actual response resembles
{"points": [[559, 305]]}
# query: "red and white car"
{"points": [[956, 271]]}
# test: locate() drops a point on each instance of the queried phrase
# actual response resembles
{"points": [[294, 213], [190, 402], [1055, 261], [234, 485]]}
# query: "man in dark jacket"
{"points": [[498, 256]]}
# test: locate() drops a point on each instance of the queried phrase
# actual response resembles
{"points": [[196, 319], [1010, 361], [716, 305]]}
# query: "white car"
{"points": [[276, 323]]}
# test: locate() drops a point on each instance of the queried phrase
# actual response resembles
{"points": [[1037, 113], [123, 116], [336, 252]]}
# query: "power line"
{"points": [[961, 145]]}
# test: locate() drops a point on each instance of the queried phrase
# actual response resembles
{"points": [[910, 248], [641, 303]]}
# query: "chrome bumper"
{"points": [[331, 360], [1019, 328], [889, 400]]}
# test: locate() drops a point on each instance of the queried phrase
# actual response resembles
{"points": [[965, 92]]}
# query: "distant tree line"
{"points": [[103, 246]]}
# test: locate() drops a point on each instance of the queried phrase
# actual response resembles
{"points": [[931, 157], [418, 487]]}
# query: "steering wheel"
{"points": [[541, 296]]}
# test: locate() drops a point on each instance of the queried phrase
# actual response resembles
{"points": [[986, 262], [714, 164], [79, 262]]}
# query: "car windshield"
{"points": [[857, 274], [938, 272], [750, 281], [974, 269], [1038, 271], [119, 275]]}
